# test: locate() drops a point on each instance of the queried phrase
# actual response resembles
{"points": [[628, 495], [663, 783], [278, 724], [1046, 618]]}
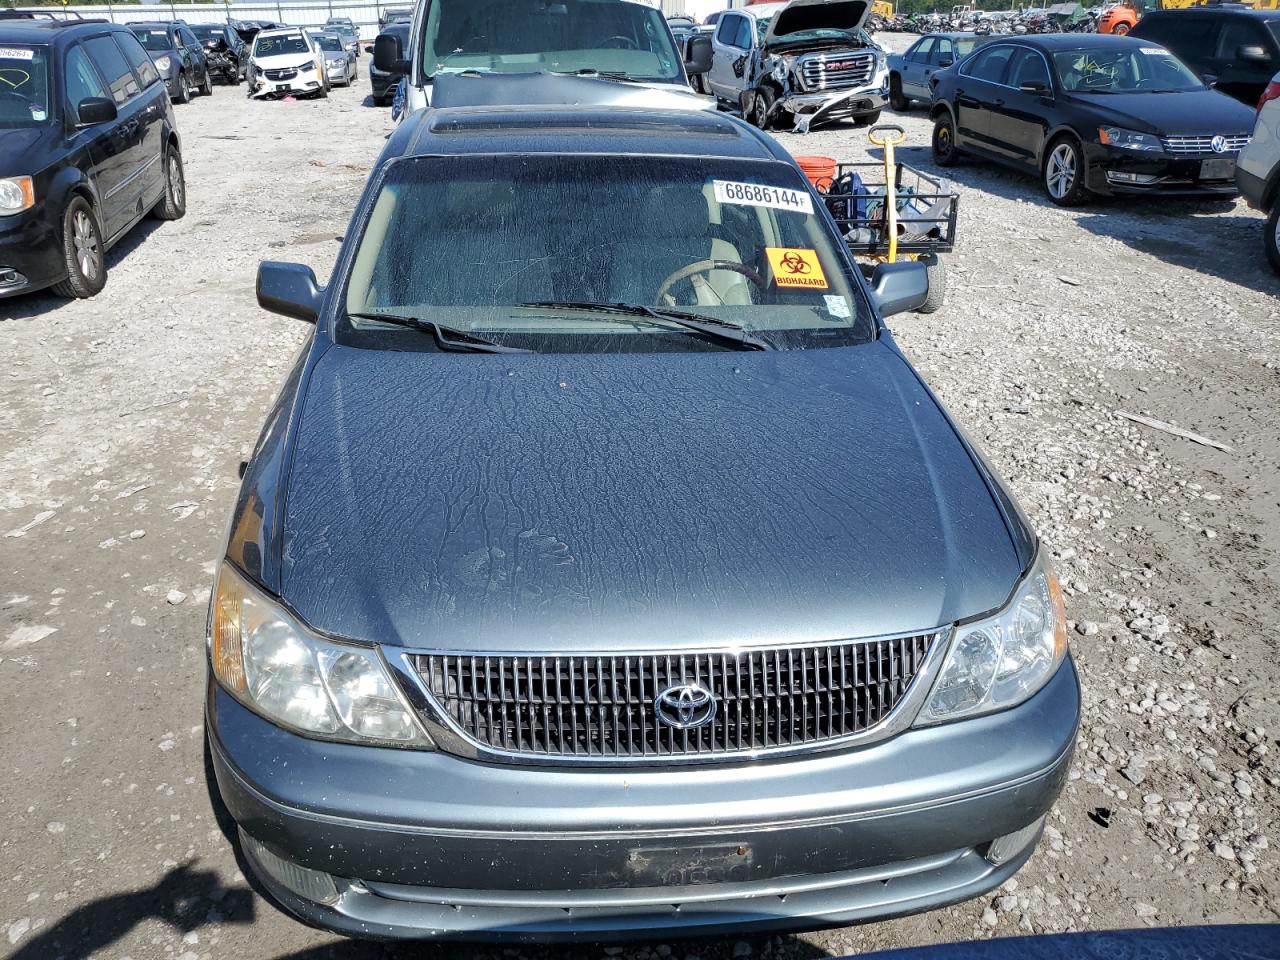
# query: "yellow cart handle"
{"points": [[889, 135]]}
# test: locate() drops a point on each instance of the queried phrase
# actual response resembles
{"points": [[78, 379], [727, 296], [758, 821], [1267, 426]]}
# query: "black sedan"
{"points": [[1091, 115]]}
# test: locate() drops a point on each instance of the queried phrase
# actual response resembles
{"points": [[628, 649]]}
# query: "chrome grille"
{"points": [[288, 74], [1194, 146], [603, 707], [837, 71]]}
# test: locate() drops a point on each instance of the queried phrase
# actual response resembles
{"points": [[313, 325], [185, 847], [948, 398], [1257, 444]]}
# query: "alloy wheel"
{"points": [[1060, 172], [85, 240], [177, 188]]}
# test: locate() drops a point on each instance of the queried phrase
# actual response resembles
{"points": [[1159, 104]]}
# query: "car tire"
{"points": [[937, 274], [1063, 173], [184, 89], [83, 252], [173, 204], [1271, 238], [761, 104], [206, 88], [945, 151], [897, 99], [867, 119]]}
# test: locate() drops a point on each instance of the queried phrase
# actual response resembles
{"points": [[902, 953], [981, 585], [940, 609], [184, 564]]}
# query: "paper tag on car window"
{"points": [[762, 195], [1157, 51], [838, 307], [16, 53], [796, 267]]}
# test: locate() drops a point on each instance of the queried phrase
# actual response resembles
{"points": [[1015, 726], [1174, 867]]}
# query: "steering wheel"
{"points": [[706, 266], [624, 43]]}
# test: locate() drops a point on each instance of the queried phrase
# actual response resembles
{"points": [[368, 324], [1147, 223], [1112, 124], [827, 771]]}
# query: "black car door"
{"points": [[1019, 117], [195, 56], [120, 174], [1244, 58], [153, 103], [978, 86], [104, 145]]}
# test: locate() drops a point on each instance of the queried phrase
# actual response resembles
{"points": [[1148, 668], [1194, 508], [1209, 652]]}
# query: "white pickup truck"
{"points": [[541, 47]]}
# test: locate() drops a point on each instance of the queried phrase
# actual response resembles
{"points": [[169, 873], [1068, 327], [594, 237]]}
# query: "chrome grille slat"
{"points": [[601, 706], [837, 71], [1194, 146]]}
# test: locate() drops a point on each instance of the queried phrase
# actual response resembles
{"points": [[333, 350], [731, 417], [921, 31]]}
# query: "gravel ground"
{"points": [[123, 419]]}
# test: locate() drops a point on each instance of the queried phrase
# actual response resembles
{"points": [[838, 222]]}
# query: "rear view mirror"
{"points": [[95, 110], [388, 55], [1253, 52], [289, 289], [699, 56], [1210, 79], [900, 287]]}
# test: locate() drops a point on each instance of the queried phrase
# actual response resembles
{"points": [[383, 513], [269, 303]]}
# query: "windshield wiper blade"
{"points": [[722, 331], [449, 339]]}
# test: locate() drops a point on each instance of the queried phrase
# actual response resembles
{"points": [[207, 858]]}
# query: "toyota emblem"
{"points": [[1218, 144], [685, 706]]}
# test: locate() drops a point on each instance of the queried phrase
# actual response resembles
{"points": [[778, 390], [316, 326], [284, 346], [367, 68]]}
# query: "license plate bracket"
{"points": [[689, 866], [1223, 168]]}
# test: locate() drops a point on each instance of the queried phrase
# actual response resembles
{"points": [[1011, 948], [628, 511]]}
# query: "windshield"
{"points": [[154, 40], [522, 36], [24, 86], [208, 32], [1144, 69], [329, 43], [740, 242], [280, 45]]}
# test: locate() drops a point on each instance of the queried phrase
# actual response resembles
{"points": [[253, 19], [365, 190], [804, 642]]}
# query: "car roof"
{"points": [[282, 31], [760, 11], [1069, 41], [1223, 10], [43, 31], [953, 35], [538, 128]]}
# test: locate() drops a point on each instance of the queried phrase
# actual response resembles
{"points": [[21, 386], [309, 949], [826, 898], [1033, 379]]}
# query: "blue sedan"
{"points": [[909, 72]]}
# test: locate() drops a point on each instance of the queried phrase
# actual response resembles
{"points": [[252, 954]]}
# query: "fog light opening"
{"points": [[1003, 849], [1115, 176], [313, 885]]}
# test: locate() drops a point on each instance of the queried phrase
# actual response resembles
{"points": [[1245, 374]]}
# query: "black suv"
{"points": [[1237, 47], [87, 149], [178, 55]]}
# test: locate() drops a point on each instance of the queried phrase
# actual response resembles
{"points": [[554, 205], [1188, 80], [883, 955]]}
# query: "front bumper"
{"points": [[382, 85], [1116, 171], [30, 252], [300, 84], [813, 109], [426, 845]]}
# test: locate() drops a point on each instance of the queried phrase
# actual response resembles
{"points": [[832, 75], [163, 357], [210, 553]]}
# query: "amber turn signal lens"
{"points": [[227, 649], [1059, 607]]}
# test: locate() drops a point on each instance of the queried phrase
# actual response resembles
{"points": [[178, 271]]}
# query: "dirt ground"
{"points": [[123, 420]]}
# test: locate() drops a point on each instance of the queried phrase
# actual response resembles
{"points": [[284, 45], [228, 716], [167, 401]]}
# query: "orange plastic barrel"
{"points": [[821, 171]]}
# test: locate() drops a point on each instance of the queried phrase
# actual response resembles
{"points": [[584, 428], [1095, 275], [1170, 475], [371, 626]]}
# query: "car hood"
{"points": [[801, 15], [1194, 112], [633, 501], [283, 61], [18, 149]]}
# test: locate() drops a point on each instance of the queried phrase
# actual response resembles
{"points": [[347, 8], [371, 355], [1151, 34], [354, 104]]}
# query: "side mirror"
{"points": [[95, 110], [388, 55], [900, 287], [946, 62], [699, 56], [1253, 53], [1034, 86], [289, 289], [1210, 79]]}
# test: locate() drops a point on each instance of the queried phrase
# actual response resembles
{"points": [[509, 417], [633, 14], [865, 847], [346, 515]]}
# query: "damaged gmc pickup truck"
{"points": [[799, 64]]}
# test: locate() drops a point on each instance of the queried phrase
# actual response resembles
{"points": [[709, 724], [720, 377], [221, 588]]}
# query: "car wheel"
{"points": [[1271, 238], [173, 205], [937, 275], [760, 107], [184, 89], [83, 252], [897, 99], [945, 151], [867, 119], [206, 88], [1064, 173]]}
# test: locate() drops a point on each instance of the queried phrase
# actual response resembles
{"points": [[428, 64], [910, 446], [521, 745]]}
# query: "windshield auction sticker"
{"points": [[761, 195], [16, 53], [796, 267]]}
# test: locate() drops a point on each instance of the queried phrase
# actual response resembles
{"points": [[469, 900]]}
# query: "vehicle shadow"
{"points": [[32, 305]]}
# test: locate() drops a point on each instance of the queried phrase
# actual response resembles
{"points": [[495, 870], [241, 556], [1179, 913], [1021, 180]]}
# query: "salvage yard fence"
{"points": [[308, 13]]}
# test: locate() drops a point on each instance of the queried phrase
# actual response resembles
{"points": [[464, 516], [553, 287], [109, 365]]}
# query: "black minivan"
{"points": [[87, 148], [1235, 48]]}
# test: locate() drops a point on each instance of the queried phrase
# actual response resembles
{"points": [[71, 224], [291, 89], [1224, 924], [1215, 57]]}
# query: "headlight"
{"points": [[16, 194], [999, 662], [309, 65], [1128, 139], [162, 64], [275, 666]]}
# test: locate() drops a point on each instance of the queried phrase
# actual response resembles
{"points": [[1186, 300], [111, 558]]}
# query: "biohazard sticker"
{"points": [[796, 267]]}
